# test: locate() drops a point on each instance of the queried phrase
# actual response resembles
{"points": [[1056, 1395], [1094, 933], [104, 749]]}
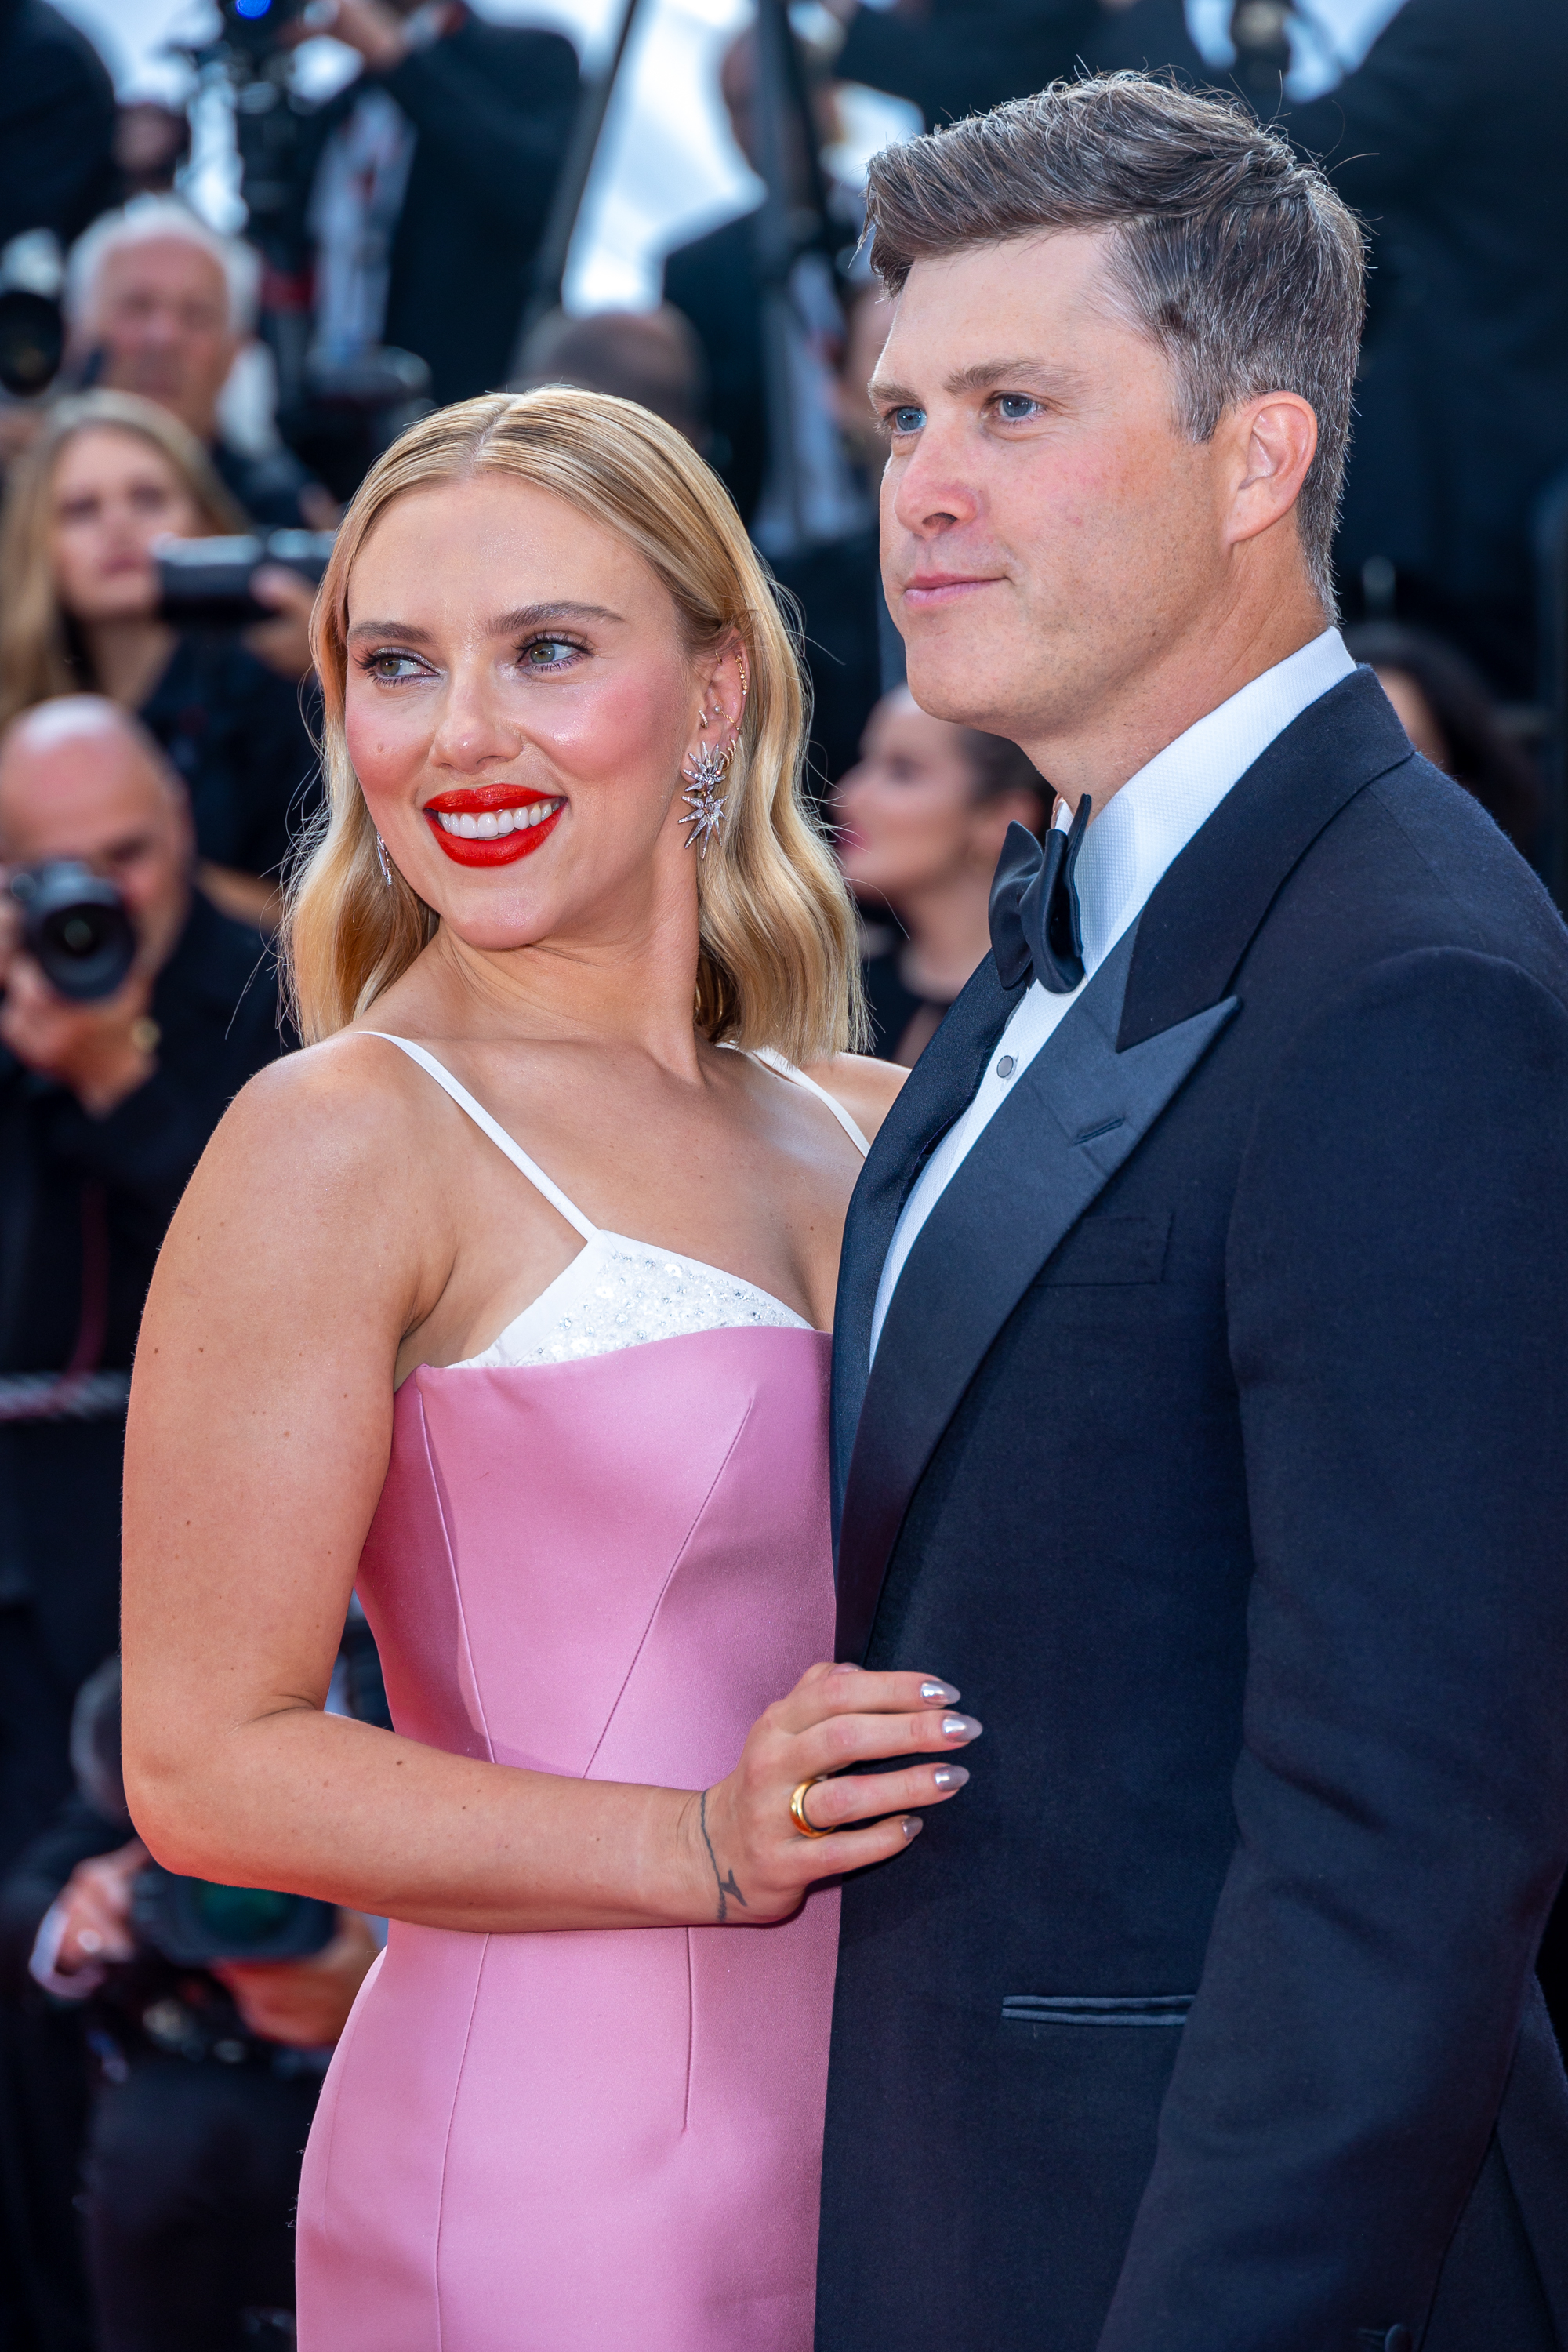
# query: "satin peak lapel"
{"points": [[1081, 1108], [937, 1091]]}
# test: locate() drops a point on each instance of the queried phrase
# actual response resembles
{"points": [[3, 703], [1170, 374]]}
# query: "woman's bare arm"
{"points": [[314, 1235]]}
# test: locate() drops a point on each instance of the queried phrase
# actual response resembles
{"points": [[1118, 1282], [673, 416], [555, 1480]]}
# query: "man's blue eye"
{"points": [[1015, 407], [907, 420]]}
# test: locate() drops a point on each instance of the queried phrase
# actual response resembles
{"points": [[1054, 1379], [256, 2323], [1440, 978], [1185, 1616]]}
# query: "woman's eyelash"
{"points": [[370, 662], [563, 646]]}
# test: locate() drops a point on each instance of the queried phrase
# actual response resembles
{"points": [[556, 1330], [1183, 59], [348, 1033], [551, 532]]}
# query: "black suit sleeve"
{"points": [[966, 58], [496, 118], [1387, 125], [1398, 1261]]}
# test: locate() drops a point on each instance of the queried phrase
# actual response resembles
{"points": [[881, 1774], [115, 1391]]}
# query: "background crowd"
{"points": [[163, 386]]}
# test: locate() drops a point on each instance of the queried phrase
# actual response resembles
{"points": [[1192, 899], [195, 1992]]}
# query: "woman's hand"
{"points": [[284, 644], [744, 1841]]}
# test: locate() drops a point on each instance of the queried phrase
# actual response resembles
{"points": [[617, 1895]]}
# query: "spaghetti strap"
{"points": [[498, 1134], [776, 1062]]}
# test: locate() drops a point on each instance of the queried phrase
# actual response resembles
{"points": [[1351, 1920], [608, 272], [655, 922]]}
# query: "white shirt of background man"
{"points": [[1126, 849]]}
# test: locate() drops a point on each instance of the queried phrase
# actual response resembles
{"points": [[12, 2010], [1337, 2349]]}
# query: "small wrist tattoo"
{"points": [[726, 1886]]}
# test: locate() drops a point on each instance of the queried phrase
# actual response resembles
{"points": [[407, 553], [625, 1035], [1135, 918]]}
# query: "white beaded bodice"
{"points": [[618, 1293]]}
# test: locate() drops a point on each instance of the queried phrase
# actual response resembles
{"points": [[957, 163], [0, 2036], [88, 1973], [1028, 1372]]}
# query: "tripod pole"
{"points": [[549, 273]]}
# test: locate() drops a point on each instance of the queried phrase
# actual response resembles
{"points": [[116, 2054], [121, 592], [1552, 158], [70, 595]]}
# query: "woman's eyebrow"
{"points": [[402, 629], [531, 617], [504, 624]]}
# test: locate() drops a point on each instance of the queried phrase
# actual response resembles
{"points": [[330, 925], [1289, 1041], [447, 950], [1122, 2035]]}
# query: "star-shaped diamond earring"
{"points": [[706, 804]]}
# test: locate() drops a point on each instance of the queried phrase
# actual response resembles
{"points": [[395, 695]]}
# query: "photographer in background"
{"points": [[208, 2070], [433, 185], [159, 304], [108, 477], [105, 1108]]}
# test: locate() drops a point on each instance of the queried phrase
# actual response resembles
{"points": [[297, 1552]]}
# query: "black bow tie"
{"points": [[1034, 922]]}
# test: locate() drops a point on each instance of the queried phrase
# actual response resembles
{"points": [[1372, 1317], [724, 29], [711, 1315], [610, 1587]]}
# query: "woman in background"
{"points": [[1448, 715], [109, 474], [921, 820]]}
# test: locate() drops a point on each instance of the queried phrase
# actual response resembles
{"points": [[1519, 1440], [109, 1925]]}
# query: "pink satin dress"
{"points": [[602, 1549]]}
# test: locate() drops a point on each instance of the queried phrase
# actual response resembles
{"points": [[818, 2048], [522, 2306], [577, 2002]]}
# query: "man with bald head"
{"points": [[104, 1110]]}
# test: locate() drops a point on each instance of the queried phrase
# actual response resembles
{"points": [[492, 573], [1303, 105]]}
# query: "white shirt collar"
{"points": [[1126, 850], [1141, 831]]}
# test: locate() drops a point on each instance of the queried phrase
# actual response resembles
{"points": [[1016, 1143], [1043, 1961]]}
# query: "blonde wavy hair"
{"points": [[36, 658], [777, 962]]}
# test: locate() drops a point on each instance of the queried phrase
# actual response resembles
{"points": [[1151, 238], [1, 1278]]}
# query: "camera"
{"points": [[32, 323], [76, 927], [205, 583], [195, 1921], [253, 26]]}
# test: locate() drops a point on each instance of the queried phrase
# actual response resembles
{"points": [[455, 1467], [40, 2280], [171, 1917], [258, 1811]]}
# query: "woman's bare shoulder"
{"points": [[866, 1087], [330, 1122]]}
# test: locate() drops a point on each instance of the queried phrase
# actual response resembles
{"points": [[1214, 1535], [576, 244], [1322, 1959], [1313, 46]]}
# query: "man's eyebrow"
{"points": [[1026, 375], [882, 390], [1036, 376], [504, 624]]}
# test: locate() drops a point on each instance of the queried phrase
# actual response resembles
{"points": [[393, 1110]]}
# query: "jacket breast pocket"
{"points": [[1095, 2010], [1111, 1249]]}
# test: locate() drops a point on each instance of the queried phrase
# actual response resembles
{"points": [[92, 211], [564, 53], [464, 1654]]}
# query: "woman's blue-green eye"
{"points": [[390, 667], [544, 653], [907, 420]]}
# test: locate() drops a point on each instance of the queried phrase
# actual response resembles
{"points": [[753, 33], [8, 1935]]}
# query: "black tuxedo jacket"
{"points": [[1217, 1448]]}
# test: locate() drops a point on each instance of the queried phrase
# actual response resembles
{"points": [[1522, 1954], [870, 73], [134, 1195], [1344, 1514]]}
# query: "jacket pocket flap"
{"points": [[1096, 2008]]}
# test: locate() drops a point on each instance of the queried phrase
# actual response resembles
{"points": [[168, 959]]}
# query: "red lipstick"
{"points": [[492, 824]]}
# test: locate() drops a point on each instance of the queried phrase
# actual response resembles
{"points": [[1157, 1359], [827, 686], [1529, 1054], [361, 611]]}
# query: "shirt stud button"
{"points": [[1005, 1066]]}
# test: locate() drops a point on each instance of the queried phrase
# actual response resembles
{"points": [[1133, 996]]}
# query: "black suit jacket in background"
{"points": [[493, 107], [1213, 1448], [1448, 139]]}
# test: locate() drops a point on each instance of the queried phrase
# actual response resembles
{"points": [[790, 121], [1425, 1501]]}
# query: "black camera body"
{"points": [[31, 322], [77, 929], [195, 1921], [205, 583]]}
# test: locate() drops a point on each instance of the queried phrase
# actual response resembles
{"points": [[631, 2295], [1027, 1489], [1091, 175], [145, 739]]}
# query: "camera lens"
{"points": [[76, 927]]}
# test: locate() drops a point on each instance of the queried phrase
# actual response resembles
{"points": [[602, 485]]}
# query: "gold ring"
{"points": [[797, 1808]]}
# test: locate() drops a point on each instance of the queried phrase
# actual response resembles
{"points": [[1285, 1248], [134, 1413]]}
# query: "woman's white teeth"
{"points": [[491, 824]]}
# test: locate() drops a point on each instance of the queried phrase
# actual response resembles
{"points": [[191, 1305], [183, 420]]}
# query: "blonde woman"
{"points": [[108, 477], [508, 1299]]}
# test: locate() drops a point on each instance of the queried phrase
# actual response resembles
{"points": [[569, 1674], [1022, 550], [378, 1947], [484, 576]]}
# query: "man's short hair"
{"points": [[1233, 255], [144, 219]]}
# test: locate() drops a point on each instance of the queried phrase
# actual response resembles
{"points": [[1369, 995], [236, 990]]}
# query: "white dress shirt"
{"points": [[1126, 849]]}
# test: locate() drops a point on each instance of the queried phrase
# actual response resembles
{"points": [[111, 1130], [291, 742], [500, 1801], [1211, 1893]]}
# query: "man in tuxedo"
{"points": [[1201, 1357]]}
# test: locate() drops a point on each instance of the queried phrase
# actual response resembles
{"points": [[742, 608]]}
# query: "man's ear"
{"points": [[1274, 440]]}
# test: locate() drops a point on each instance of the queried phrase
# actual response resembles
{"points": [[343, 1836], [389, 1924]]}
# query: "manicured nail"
{"points": [[912, 1825], [959, 1726], [950, 1776], [938, 1694]]}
